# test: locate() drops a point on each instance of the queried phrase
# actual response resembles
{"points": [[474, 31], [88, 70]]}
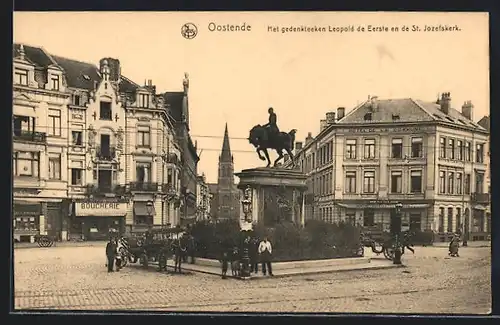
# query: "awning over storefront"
{"points": [[26, 208], [144, 209], [382, 205], [100, 209]]}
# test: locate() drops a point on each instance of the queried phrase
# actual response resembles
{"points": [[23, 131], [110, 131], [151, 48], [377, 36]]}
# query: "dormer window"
{"points": [[76, 100], [368, 116], [105, 111], [86, 77], [143, 100], [21, 77], [395, 117], [54, 82]]}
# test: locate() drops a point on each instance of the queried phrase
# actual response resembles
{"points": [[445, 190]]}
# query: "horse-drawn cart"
{"points": [[44, 240], [383, 243], [154, 245]]}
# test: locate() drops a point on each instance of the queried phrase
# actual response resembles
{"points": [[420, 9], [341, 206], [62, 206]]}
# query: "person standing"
{"points": [[254, 252], [111, 254], [265, 252]]}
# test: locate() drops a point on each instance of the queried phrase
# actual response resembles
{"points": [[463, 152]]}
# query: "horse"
{"points": [[180, 250], [259, 138]]}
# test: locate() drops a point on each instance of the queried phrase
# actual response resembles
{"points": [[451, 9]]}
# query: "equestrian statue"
{"points": [[268, 136]]}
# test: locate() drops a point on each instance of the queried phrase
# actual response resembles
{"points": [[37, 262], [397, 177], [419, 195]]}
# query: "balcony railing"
{"points": [[144, 186], [482, 198], [101, 189], [105, 153], [29, 136]]}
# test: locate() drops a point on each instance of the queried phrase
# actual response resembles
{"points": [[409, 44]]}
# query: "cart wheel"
{"points": [[43, 242], [50, 243], [133, 259], [389, 253], [124, 256], [162, 261]]}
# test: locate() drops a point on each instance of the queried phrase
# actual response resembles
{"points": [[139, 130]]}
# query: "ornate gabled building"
{"points": [[424, 154], [120, 157], [178, 105], [225, 194], [39, 157]]}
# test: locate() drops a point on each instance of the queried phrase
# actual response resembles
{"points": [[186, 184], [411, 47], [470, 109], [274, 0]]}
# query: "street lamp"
{"points": [[396, 231], [245, 258]]}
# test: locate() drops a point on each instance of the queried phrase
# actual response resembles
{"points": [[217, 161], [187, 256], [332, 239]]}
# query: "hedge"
{"points": [[317, 240]]}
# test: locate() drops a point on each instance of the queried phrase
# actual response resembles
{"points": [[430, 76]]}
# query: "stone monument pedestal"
{"points": [[277, 195]]}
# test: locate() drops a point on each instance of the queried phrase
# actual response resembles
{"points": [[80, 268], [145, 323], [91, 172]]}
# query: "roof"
{"points": [[212, 187], [405, 110], [78, 74], [226, 149], [174, 101], [485, 122], [35, 54]]}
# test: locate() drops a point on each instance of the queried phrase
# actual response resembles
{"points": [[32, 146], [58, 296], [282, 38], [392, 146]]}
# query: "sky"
{"points": [[236, 76]]}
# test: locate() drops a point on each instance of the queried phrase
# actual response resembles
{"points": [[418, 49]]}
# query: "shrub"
{"points": [[317, 240]]}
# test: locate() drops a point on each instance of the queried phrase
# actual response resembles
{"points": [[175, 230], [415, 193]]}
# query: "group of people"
{"points": [[113, 256], [258, 251]]}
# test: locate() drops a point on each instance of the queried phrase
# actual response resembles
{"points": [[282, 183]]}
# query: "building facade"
{"points": [[426, 155], [485, 123], [203, 198], [226, 196], [115, 156], [39, 145]]}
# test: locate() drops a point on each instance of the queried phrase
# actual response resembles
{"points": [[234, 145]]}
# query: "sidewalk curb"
{"points": [[389, 266], [59, 245]]}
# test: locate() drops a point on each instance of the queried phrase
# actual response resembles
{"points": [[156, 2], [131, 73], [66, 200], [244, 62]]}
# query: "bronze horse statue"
{"points": [[260, 139]]}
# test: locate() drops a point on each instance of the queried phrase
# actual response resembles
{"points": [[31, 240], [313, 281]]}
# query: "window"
{"points": [[26, 164], [480, 153], [368, 218], [449, 228], [105, 111], [396, 182], [369, 182], [416, 147], [467, 151], [77, 138], [459, 183], [350, 149], [76, 176], [415, 222], [143, 172], [54, 82], [143, 100], [467, 184], [397, 148], [442, 182], [416, 181], [350, 218], [143, 220], [21, 77], [27, 223], [459, 219], [451, 146], [55, 167], [442, 148], [350, 183], [368, 116], [451, 182], [369, 148], [479, 182], [54, 122], [76, 100], [143, 136], [460, 150], [441, 220]]}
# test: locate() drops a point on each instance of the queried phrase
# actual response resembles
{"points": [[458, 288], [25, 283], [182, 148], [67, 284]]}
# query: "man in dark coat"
{"points": [[253, 251], [111, 254]]}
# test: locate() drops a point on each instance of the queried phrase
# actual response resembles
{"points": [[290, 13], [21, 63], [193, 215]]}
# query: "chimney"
{"points": [[468, 110], [322, 125], [340, 113], [298, 146], [445, 103], [374, 102], [114, 68], [330, 118], [309, 138]]}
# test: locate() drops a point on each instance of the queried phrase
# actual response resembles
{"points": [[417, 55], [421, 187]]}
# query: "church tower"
{"points": [[227, 192]]}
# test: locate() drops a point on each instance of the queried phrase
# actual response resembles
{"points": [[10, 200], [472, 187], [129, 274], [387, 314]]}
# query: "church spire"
{"points": [[225, 155]]}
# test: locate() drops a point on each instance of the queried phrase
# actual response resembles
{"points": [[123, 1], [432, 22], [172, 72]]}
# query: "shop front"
{"points": [[144, 215], [27, 219], [93, 220]]}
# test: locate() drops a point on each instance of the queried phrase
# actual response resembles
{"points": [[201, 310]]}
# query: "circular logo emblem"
{"points": [[189, 30]]}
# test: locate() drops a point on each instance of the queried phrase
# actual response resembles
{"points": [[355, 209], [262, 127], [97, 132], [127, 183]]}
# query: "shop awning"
{"points": [[26, 208], [382, 205], [143, 209]]}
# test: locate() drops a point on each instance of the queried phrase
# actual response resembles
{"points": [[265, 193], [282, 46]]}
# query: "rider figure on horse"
{"points": [[271, 126]]}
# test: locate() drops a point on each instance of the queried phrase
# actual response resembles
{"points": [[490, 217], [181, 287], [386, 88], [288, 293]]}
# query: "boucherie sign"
{"points": [[98, 208]]}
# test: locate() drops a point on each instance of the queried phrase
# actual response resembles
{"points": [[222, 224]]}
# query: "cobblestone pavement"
{"points": [[75, 278]]}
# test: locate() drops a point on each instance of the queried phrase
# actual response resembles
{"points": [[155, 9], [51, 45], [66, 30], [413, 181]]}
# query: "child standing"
{"points": [[224, 262]]}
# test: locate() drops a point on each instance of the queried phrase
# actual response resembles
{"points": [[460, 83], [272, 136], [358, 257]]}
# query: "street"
{"points": [[75, 278]]}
